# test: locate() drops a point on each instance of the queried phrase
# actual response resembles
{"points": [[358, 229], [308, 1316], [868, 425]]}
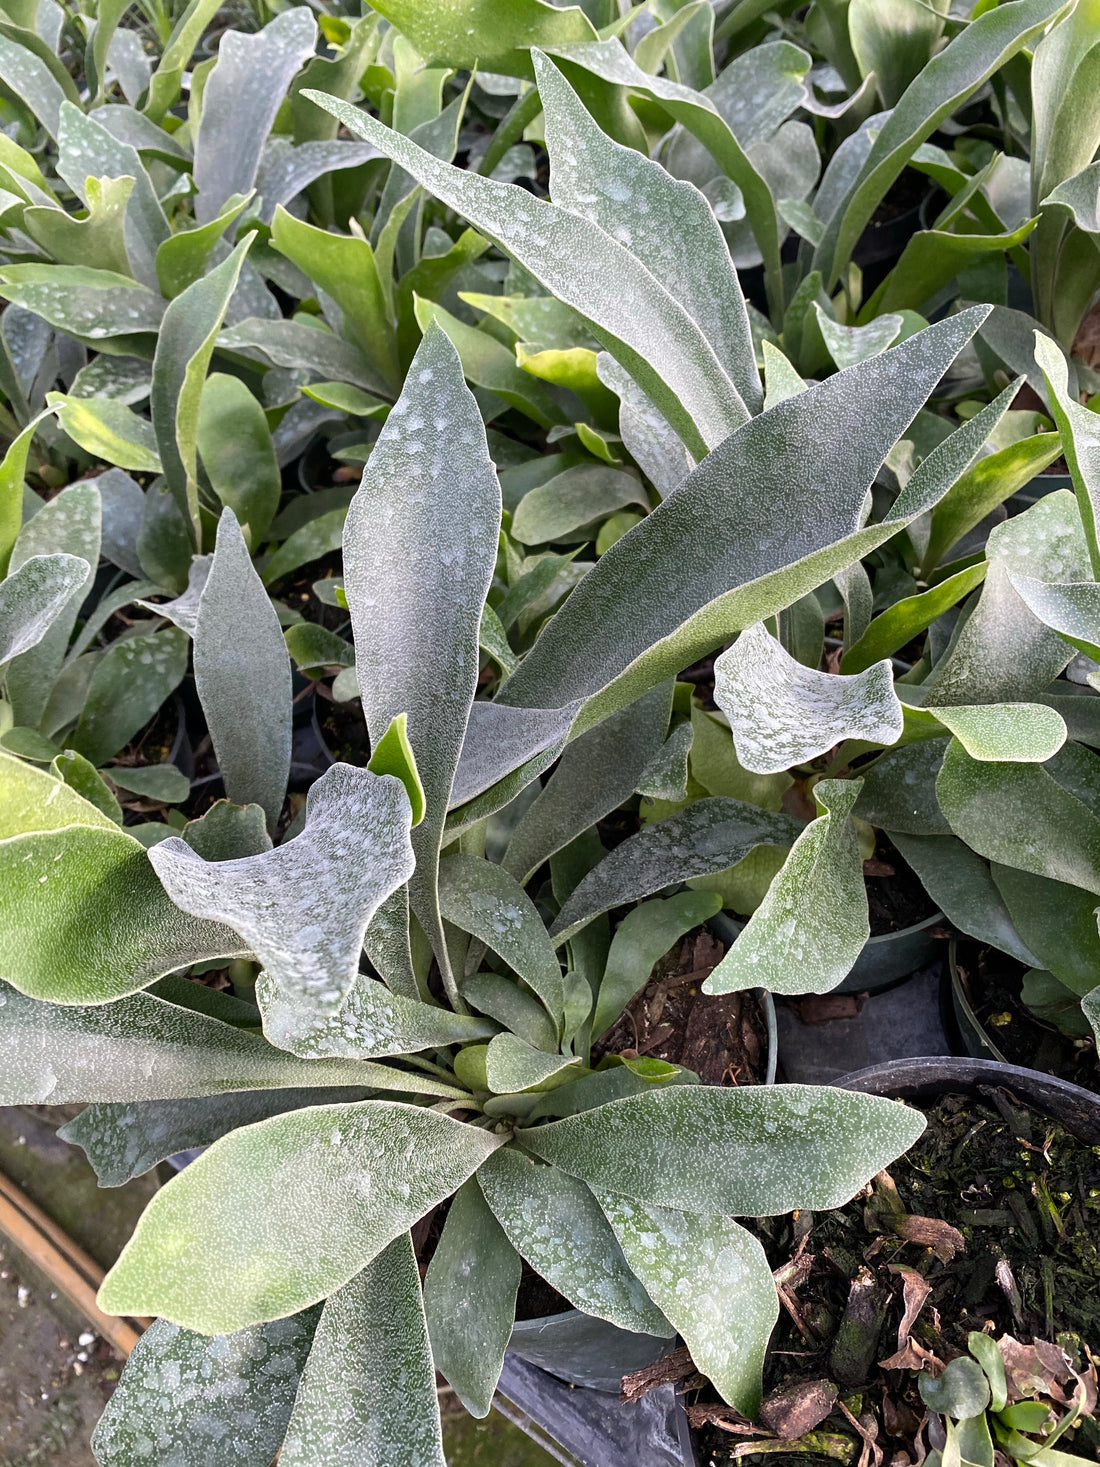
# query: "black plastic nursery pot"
{"points": [[894, 955]]}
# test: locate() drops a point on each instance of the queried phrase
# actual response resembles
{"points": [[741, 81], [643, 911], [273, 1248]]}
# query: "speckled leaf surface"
{"points": [[278, 1215], [1058, 923], [33, 597], [33, 800], [420, 546], [368, 1390], [470, 1298], [69, 524], [243, 676], [183, 610], [83, 919], [644, 328], [142, 1048], [370, 1023], [242, 95], [645, 934], [650, 438], [304, 907], [89, 303], [1020, 733], [500, 738], [753, 1152], [1019, 815], [714, 1284], [802, 469], [468, 33], [782, 713], [809, 929], [131, 681], [848, 345], [580, 495], [666, 224], [483, 899], [708, 836], [125, 1139], [555, 1223], [596, 773], [202, 1401], [511, 1064]]}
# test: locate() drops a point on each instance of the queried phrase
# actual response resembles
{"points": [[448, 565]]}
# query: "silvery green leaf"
{"points": [[631, 622], [1057, 922], [242, 95], [578, 496], [85, 302], [370, 1023], [899, 790], [285, 169], [1080, 197], [1020, 815], [27, 77], [243, 676], [241, 1223], [294, 345], [34, 800], [504, 1000], [1080, 430], [367, 1394], [810, 928], [1025, 733], [466, 33], [554, 1222], [183, 611], [420, 546], [665, 777], [707, 837], [757, 1151], [648, 436], [69, 524], [944, 83], [959, 883], [304, 907], [695, 1266], [500, 738], [125, 1139], [226, 832], [185, 344], [1090, 1007], [221, 1401], [645, 934], [782, 713], [848, 345], [470, 1299], [131, 681], [33, 596], [142, 1048], [483, 899], [666, 224], [780, 377], [388, 948], [86, 149], [123, 509], [83, 777], [596, 773], [162, 782], [650, 333], [511, 1064]]}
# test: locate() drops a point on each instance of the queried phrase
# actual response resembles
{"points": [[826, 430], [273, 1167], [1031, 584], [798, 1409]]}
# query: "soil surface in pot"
{"points": [[896, 898], [993, 982], [990, 1223]]}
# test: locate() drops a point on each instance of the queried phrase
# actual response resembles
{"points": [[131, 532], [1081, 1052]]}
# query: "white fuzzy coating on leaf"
{"points": [[84, 302], [205, 1401], [278, 1215], [709, 836], [304, 907], [370, 1023], [183, 610], [713, 1282], [650, 439], [752, 1152], [1022, 733], [848, 345], [511, 1064], [420, 545], [367, 1394], [485, 900], [665, 223], [810, 928], [34, 596], [499, 738], [554, 1221], [285, 169], [782, 713], [142, 1048], [243, 93], [243, 676], [1090, 1007]]}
